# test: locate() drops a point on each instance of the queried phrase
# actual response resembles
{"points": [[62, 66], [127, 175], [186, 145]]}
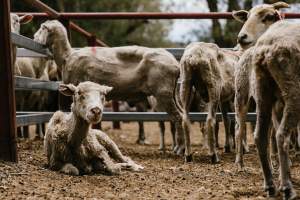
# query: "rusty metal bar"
{"points": [[53, 14], [8, 146], [145, 15], [41, 6], [88, 35]]}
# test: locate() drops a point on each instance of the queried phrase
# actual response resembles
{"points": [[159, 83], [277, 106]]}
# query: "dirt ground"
{"points": [[166, 176]]}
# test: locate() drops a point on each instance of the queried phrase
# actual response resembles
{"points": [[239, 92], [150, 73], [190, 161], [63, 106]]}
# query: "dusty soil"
{"points": [[166, 176]]}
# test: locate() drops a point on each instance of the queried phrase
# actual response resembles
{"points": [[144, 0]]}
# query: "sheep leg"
{"points": [[287, 125], [115, 152], [39, 130], [298, 141], [69, 169], [210, 128], [245, 144], [162, 136], [217, 134], [167, 103], [226, 120], [264, 109], [185, 94], [173, 132], [26, 131], [204, 135], [108, 164], [141, 139], [241, 112]]}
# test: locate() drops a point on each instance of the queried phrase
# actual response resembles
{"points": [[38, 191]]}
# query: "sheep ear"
{"points": [[240, 15], [67, 90], [106, 89], [26, 19], [280, 4]]}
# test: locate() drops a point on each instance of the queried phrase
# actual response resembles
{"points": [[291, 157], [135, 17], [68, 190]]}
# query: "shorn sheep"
{"points": [[72, 146], [15, 23], [258, 20], [275, 59], [134, 72], [210, 70]]}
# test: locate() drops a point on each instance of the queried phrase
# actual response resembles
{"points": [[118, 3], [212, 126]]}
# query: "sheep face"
{"points": [[16, 21], [49, 31], [257, 21], [88, 99]]}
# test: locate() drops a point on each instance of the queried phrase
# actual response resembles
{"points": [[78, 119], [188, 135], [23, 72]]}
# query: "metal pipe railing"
{"points": [[53, 14], [145, 15]]}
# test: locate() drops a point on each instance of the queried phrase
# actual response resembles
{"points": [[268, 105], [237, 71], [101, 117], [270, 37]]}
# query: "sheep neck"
{"points": [[79, 132], [61, 49]]}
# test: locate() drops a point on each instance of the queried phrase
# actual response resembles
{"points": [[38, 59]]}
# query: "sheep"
{"points": [[134, 72], [38, 68], [258, 20], [275, 59], [15, 22], [210, 70], [72, 146]]}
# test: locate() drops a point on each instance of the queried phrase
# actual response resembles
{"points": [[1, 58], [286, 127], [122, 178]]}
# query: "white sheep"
{"points": [[15, 23], [72, 146], [210, 70], [257, 21], [275, 60], [134, 72]]}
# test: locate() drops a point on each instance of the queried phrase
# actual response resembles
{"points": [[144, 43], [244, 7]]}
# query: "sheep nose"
{"points": [[242, 37], [96, 111]]}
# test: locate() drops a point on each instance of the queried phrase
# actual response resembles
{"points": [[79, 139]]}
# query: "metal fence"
{"points": [[9, 118]]}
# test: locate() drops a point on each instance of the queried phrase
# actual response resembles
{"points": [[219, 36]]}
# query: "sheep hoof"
{"points": [[180, 151], [142, 142], [215, 159], [289, 194], [227, 149], [188, 158], [246, 149], [240, 166], [272, 192], [161, 148]]}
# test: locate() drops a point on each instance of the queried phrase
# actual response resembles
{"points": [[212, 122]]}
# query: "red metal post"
{"points": [[8, 146]]}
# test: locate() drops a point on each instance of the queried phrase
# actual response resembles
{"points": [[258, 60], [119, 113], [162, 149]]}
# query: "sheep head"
{"points": [[257, 21], [88, 99], [49, 31], [16, 21]]}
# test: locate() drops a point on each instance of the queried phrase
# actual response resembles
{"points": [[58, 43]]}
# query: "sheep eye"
{"points": [[269, 18], [81, 96]]}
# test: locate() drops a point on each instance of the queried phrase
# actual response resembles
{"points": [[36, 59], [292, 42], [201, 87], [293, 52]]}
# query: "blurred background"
{"points": [[152, 33]]}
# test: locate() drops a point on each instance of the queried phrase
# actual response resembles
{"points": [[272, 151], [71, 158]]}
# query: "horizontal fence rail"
{"points": [[30, 118], [28, 43], [144, 15], [22, 52], [24, 83]]}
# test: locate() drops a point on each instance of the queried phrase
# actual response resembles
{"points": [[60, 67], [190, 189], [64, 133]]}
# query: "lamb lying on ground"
{"points": [[72, 146]]}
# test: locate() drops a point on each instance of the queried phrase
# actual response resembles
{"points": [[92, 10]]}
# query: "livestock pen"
{"points": [[176, 172]]}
